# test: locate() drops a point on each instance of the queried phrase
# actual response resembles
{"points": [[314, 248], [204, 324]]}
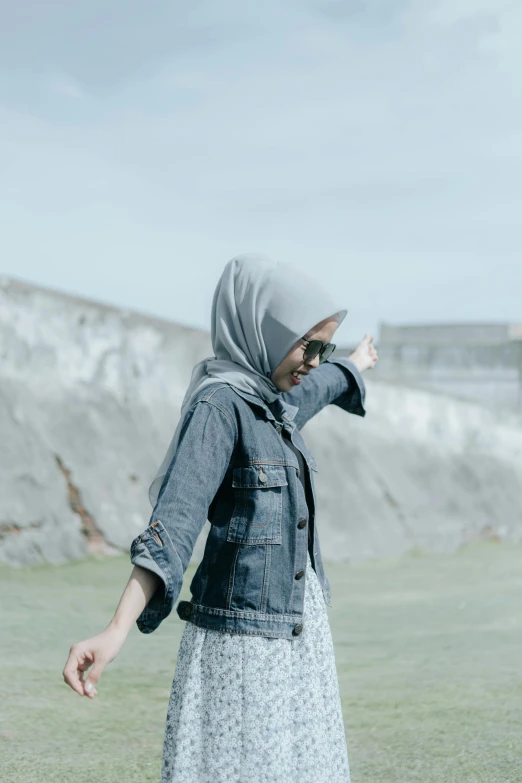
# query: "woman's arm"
{"points": [[206, 444], [101, 649], [337, 381], [140, 588], [161, 553]]}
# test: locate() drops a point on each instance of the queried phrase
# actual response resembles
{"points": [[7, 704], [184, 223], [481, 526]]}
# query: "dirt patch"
{"points": [[95, 540]]}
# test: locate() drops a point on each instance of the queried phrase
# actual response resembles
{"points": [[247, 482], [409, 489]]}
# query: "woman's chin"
{"points": [[288, 384], [282, 384]]}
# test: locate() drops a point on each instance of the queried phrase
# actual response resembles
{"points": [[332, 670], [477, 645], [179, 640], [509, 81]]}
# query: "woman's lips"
{"points": [[297, 381]]}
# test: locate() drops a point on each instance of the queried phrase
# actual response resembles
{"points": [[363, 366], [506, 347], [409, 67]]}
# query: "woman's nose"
{"points": [[313, 362]]}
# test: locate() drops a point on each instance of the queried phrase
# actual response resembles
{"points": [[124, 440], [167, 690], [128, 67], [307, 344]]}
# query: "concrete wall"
{"points": [[88, 389], [89, 399]]}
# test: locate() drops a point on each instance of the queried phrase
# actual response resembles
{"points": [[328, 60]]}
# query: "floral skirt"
{"points": [[255, 709]]}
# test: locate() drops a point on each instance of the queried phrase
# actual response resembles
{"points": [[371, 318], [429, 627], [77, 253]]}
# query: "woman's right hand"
{"points": [[100, 650], [97, 652]]}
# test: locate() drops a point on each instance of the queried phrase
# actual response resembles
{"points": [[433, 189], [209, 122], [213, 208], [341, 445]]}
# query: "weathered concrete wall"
{"points": [[89, 398], [96, 390], [420, 470]]}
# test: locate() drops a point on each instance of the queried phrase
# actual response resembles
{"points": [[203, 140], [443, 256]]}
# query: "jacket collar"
{"points": [[287, 412]]}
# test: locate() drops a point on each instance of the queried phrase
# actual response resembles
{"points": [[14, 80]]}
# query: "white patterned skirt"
{"points": [[255, 709]]}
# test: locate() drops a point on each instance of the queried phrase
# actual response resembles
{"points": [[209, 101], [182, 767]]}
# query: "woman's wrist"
{"points": [[120, 626], [353, 358]]}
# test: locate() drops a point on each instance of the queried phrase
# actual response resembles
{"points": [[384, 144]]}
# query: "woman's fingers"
{"points": [[366, 350], [80, 659], [93, 678], [85, 660], [90, 690], [73, 670], [88, 685]]}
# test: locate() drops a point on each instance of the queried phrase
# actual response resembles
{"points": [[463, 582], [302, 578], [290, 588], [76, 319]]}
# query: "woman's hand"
{"points": [[100, 650], [97, 652], [364, 356]]}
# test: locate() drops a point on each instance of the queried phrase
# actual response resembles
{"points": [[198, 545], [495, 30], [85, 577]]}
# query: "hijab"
{"points": [[260, 309]]}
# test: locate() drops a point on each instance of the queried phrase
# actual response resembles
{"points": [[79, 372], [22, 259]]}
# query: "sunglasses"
{"points": [[316, 347]]}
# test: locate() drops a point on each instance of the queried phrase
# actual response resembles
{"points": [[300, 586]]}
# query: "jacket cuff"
{"points": [[154, 551], [354, 397]]}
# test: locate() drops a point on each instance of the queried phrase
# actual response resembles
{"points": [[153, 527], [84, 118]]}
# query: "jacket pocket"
{"points": [[258, 509]]}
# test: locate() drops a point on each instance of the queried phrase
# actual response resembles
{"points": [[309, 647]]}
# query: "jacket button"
{"points": [[185, 609], [297, 630], [262, 478], [301, 523], [299, 574]]}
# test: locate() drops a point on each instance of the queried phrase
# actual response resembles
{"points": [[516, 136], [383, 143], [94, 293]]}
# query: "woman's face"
{"points": [[294, 361]]}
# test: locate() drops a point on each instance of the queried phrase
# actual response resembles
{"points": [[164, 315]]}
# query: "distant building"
{"points": [[480, 361]]}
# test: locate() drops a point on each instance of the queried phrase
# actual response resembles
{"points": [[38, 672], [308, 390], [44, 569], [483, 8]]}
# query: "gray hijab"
{"points": [[260, 309]]}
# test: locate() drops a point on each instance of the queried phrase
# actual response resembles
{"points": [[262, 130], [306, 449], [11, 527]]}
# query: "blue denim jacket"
{"points": [[232, 468]]}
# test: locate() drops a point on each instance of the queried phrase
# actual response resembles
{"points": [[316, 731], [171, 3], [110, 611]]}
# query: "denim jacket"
{"points": [[232, 468]]}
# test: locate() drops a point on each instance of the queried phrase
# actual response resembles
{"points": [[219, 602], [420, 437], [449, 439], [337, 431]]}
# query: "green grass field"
{"points": [[428, 650]]}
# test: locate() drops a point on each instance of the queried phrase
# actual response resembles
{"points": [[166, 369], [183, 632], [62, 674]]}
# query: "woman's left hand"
{"points": [[365, 356]]}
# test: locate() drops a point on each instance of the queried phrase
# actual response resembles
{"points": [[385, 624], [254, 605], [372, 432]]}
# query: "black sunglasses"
{"points": [[315, 347]]}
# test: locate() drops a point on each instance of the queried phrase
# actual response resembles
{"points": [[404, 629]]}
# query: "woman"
{"points": [[255, 695]]}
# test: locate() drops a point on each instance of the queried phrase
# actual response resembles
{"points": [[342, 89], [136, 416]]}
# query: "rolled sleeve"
{"points": [[352, 399], [335, 382], [198, 467], [163, 560]]}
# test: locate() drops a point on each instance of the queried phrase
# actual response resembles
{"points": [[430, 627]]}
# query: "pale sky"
{"points": [[374, 143]]}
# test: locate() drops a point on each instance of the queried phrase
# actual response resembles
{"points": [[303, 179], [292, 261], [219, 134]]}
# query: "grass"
{"points": [[428, 651]]}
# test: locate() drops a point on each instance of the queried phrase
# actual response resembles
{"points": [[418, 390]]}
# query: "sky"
{"points": [[375, 145]]}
